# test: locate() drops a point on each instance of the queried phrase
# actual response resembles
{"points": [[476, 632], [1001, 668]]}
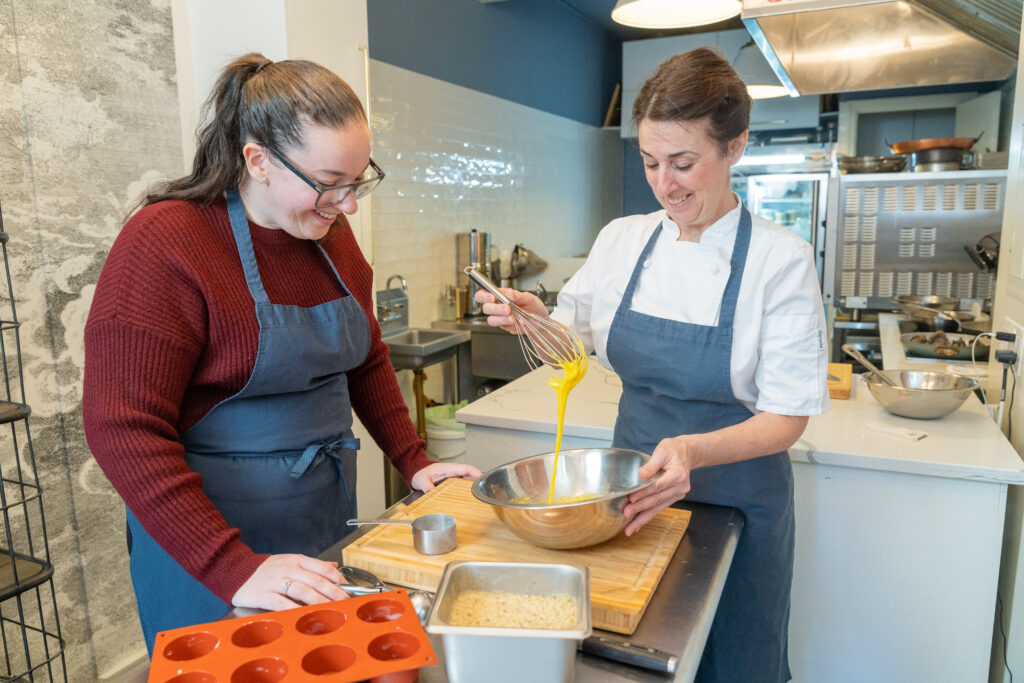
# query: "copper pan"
{"points": [[911, 146]]}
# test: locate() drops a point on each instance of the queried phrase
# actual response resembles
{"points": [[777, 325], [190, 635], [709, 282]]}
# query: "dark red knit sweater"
{"points": [[172, 331]]}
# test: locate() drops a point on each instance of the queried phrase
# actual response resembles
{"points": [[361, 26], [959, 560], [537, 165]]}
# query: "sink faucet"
{"points": [[387, 312]]}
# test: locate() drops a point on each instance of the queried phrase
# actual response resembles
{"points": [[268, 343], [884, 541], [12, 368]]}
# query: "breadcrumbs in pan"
{"points": [[513, 610]]}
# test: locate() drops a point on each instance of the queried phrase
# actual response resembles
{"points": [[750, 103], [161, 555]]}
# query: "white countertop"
{"points": [[966, 444], [528, 404]]}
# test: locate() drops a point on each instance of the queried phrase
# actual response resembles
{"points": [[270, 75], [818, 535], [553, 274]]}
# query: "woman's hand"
{"points": [[498, 315], [425, 479], [287, 581], [758, 435], [675, 458]]}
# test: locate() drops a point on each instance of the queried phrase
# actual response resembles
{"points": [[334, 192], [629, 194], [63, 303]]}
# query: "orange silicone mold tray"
{"points": [[369, 637]]}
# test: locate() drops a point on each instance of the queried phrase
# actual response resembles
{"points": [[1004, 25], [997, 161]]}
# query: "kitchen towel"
{"points": [[980, 372], [903, 433]]}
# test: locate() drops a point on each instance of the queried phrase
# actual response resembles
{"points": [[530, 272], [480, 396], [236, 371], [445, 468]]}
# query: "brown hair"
{"points": [[257, 99], [696, 85]]}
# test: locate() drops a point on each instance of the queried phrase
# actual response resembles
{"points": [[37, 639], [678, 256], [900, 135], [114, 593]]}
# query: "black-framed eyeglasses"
{"points": [[332, 194]]}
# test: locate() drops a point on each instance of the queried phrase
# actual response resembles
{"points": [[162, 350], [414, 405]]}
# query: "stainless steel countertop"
{"points": [[677, 619], [470, 323], [679, 615]]}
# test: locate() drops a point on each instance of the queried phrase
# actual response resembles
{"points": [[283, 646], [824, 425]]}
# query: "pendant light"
{"points": [[753, 68], [673, 13]]}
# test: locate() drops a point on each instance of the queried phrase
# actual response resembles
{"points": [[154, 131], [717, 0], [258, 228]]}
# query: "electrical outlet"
{"points": [[1018, 343]]}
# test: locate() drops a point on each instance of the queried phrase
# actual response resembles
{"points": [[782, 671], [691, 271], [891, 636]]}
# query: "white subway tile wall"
{"points": [[457, 159]]}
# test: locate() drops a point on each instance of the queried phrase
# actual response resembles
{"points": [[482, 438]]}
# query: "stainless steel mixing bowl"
{"points": [[600, 478], [933, 301], [922, 395]]}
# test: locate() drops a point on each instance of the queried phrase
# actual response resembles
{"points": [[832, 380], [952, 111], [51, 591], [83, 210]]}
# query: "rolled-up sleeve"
{"points": [[793, 366]]}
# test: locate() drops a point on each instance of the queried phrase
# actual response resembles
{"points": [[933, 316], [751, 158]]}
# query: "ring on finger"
{"points": [[286, 586]]}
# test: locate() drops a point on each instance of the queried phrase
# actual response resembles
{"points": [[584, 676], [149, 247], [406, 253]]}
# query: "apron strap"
{"points": [[737, 263], [240, 229], [317, 452], [337, 275], [246, 252]]}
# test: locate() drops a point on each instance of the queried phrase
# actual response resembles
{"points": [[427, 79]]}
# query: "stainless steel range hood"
{"points": [[828, 46]]}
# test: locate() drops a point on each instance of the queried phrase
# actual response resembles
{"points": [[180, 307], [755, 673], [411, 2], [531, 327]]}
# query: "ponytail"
{"points": [[257, 99]]}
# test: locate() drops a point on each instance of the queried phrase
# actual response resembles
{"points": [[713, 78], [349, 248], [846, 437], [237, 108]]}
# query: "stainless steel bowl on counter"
{"points": [[591, 488], [920, 395]]}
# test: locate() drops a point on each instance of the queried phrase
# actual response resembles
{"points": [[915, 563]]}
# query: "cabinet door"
{"points": [[784, 113], [980, 116]]}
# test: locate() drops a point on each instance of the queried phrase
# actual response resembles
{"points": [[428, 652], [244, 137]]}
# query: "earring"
{"points": [[264, 180]]}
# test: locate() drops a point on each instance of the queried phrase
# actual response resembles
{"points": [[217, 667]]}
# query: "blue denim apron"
{"points": [[277, 458], [677, 382]]}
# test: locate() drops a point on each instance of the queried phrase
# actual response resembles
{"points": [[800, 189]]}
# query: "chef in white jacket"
{"points": [[713, 320]]}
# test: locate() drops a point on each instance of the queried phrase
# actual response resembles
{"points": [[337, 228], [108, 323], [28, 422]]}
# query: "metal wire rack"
{"points": [[29, 625]]}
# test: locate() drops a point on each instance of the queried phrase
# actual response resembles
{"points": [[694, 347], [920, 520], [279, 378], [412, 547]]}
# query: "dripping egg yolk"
{"points": [[572, 372]]}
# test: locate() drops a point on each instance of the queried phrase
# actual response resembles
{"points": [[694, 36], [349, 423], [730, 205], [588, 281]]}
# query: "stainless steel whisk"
{"points": [[543, 341]]}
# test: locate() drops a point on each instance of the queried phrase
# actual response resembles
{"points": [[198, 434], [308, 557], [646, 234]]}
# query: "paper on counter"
{"points": [[968, 371], [908, 434]]}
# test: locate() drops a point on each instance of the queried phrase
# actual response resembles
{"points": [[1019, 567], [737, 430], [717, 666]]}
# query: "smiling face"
{"points": [[328, 156], [688, 172]]}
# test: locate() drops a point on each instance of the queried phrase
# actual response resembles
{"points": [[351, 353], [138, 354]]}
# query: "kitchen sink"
{"points": [[494, 353], [416, 348]]}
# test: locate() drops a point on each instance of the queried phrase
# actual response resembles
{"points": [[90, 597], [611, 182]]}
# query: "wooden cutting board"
{"points": [[843, 382], [623, 571]]}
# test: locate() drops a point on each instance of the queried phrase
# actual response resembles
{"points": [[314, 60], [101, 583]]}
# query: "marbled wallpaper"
{"points": [[88, 118]]}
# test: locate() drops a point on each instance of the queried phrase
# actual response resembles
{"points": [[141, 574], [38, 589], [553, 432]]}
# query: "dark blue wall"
{"points": [[540, 53], [637, 196]]}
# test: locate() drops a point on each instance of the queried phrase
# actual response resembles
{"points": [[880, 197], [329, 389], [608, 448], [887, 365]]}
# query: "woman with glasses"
{"points": [[230, 338], [713, 320]]}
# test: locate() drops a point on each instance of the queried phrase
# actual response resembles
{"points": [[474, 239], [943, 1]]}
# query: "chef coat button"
{"points": [[647, 263], [714, 269]]}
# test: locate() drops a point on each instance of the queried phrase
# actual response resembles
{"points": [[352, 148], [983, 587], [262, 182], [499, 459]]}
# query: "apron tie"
{"points": [[317, 452]]}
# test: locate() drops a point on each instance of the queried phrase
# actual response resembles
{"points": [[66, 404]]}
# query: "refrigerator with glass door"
{"points": [[795, 201]]}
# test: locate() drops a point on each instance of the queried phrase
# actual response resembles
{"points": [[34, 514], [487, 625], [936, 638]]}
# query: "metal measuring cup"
{"points": [[432, 534]]}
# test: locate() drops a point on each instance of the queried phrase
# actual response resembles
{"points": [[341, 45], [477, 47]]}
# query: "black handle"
{"points": [[634, 654], [977, 257]]}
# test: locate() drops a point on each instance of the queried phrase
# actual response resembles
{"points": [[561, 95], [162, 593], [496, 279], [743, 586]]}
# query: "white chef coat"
{"points": [[779, 351]]}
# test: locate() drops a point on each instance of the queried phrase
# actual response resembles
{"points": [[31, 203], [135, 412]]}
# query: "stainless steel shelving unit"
{"points": [[892, 234], [29, 626]]}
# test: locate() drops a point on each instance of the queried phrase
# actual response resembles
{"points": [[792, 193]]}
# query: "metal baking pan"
{"points": [[510, 655]]}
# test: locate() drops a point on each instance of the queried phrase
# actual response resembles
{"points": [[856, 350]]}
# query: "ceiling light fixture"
{"points": [[673, 13]]}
